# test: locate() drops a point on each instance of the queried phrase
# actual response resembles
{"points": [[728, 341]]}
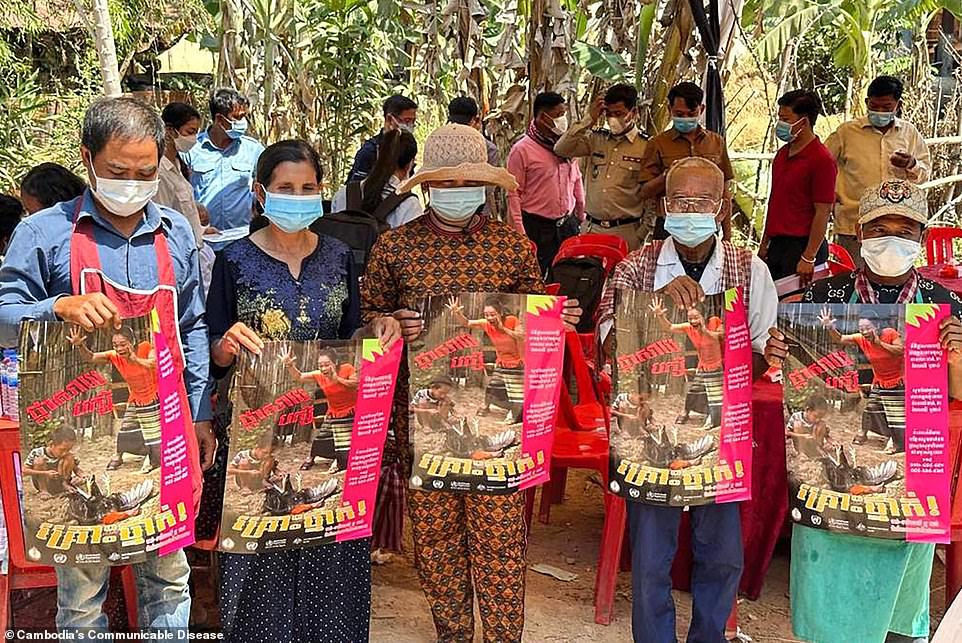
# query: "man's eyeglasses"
{"points": [[691, 204]]}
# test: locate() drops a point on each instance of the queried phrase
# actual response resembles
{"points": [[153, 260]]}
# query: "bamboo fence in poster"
{"points": [[102, 437], [307, 433], [866, 397], [681, 429], [485, 383]]}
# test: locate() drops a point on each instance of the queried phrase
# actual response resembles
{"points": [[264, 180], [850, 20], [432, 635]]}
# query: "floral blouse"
{"points": [[250, 286]]}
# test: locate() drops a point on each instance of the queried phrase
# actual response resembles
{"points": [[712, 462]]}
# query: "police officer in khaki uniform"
{"points": [[613, 201]]}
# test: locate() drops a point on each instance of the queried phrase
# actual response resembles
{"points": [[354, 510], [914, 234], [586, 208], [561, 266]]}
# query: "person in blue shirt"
{"points": [[400, 113], [222, 163], [89, 261]]}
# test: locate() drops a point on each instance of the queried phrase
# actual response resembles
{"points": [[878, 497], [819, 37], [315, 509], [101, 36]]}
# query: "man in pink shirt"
{"points": [[549, 203]]}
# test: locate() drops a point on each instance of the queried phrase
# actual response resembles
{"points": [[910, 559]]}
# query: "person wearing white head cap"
{"points": [[453, 248], [885, 583]]}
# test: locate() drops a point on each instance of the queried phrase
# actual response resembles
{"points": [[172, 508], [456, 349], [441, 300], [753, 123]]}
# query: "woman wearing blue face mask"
{"points": [[285, 282]]}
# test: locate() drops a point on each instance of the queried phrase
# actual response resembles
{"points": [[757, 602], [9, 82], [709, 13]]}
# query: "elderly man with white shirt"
{"points": [[692, 263]]}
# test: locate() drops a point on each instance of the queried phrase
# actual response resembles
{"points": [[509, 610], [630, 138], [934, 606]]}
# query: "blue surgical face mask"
{"points": [[691, 228], [456, 204], [237, 128], [292, 212], [783, 131], [684, 125], [880, 119]]}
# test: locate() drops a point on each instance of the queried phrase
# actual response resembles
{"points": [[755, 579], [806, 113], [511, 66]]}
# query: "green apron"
{"points": [[848, 589]]}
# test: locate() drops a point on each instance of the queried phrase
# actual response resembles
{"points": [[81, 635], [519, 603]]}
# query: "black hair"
{"points": [[288, 151], [688, 92], [547, 100], [397, 150], [885, 86], [462, 110], [441, 380], [224, 100], [177, 115], [495, 303], [869, 316], [622, 93], [63, 434], [329, 353], [127, 333], [802, 102], [50, 184], [397, 104], [126, 119], [11, 210], [816, 402]]}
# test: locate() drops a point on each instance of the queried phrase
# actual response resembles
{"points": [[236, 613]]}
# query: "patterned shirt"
{"points": [[419, 259], [40, 454], [247, 455], [839, 290]]}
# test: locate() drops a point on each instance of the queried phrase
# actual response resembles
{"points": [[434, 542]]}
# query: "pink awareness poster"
{"points": [[681, 414], [484, 389], [307, 434]]}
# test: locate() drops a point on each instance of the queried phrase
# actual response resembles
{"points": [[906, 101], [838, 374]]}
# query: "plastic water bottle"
{"points": [[13, 387]]}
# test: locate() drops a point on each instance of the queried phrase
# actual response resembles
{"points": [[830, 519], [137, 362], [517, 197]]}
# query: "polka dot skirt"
{"points": [[316, 595]]}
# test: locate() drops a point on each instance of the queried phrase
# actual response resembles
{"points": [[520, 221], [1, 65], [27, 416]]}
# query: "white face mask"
{"points": [[456, 204], [890, 256], [560, 125], [616, 125], [185, 143], [123, 197]]}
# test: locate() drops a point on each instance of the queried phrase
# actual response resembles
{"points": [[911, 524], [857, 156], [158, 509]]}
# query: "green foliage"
{"points": [[22, 115], [600, 63]]}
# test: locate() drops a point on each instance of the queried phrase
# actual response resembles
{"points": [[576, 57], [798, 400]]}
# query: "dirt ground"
{"points": [[563, 611], [467, 402]]}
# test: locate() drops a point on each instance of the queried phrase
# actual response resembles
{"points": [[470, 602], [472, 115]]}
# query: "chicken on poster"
{"points": [[681, 429], [102, 438], [307, 433], [485, 384], [866, 398]]}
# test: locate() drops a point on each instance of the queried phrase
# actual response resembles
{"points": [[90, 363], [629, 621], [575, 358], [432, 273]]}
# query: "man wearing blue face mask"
{"points": [[693, 262], [222, 164], [802, 194], [686, 138], [872, 149]]}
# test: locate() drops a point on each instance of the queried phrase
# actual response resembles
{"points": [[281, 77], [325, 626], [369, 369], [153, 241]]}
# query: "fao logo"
{"points": [[251, 546], [438, 484], [796, 515], [614, 486], [60, 559], [816, 520]]}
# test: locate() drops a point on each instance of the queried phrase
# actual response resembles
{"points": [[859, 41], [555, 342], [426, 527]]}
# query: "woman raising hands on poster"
{"points": [[339, 385], [285, 282], [140, 432]]}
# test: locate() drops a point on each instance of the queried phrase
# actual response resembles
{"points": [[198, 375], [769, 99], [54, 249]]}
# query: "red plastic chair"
{"points": [[21, 573], [938, 245], [839, 256]]}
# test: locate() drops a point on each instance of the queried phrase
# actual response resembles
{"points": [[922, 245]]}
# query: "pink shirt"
{"points": [[547, 185]]}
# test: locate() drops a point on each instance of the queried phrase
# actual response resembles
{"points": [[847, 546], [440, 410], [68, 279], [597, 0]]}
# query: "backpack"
{"points": [[581, 278], [357, 228]]}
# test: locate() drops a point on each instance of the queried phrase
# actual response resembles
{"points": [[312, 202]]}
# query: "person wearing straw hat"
{"points": [[451, 249], [883, 584]]}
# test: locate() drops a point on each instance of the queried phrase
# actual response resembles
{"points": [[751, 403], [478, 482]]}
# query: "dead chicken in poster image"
{"points": [[293, 419], [845, 397], [90, 424]]}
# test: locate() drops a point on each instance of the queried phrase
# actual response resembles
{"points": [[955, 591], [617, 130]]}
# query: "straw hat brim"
{"points": [[480, 172]]}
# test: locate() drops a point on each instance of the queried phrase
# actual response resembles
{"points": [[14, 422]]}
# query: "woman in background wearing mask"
{"points": [[885, 583], [478, 255], [181, 124], [285, 282]]}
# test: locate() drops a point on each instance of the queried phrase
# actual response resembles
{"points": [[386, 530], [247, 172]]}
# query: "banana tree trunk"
{"points": [[645, 22], [102, 32], [681, 28]]}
